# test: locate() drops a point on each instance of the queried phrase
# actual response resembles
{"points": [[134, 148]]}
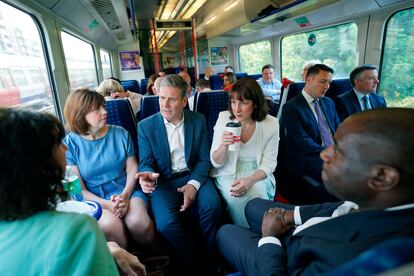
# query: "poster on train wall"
{"points": [[218, 55], [130, 61]]}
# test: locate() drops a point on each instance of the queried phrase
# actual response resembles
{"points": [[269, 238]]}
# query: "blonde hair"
{"points": [[109, 86]]}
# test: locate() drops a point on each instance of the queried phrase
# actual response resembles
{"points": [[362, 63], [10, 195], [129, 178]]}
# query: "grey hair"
{"points": [[109, 86], [175, 81]]}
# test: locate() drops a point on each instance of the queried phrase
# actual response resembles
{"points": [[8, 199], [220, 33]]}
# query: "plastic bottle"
{"points": [[71, 184]]}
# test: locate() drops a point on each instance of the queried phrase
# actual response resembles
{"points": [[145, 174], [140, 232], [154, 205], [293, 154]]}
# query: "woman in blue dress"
{"points": [[103, 156]]}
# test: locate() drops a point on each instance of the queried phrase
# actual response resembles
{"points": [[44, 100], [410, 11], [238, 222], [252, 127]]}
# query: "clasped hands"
{"points": [[120, 203], [277, 222], [148, 182]]}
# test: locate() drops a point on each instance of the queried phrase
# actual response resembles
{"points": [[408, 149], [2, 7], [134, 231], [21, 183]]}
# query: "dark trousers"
{"points": [[203, 217]]}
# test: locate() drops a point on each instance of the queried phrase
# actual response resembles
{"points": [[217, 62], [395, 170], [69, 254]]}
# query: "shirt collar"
{"points": [[171, 124], [360, 95], [307, 97]]}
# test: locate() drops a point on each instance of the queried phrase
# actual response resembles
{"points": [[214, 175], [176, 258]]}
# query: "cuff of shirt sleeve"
{"points": [[195, 183], [296, 216], [269, 239]]}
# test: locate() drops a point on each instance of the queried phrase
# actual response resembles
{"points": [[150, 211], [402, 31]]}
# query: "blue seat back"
{"points": [[255, 76], [149, 106], [241, 75], [216, 83], [211, 104], [120, 113], [131, 85], [338, 86], [144, 83]]}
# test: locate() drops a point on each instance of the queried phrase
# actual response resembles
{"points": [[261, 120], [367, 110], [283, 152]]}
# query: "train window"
{"points": [[106, 64], [20, 53], [36, 76], [397, 68], [19, 77], [80, 62], [334, 46], [254, 56]]}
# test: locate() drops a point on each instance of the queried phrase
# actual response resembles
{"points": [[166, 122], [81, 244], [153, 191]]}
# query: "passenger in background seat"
{"points": [[104, 158], [202, 85], [364, 80], [228, 69], [156, 87], [150, 84], [229, 79], [306, 66], [309, 121], [270, 86], [208, 72], [247, 173], [111, 89]]}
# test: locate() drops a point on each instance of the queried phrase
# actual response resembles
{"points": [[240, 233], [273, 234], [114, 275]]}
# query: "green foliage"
{"points": [[335, 47], [254, 56], [397, 83]]}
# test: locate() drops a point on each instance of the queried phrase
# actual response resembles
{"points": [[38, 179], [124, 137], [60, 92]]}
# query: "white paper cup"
{"points": [[236, 130]]}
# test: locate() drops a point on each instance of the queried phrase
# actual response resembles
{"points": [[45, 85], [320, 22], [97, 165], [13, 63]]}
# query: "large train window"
{"points": [[80, 62], [23, 76], [334, 46], [254, 56], [106, 64], [396, 77]]}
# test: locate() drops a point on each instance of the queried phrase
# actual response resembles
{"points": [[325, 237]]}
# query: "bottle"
{"points": [[71, 184]]}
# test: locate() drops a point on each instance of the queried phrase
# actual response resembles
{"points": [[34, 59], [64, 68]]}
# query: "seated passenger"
{"points": [[208, 72], [229, 79], [371, 168], [202, 85], [156, 87], [228, 69], [248, 172], [309, 121], [111, 89], [362, 96], [308, 65], [270, 86], [173, 171], [150, 84], [34, 238], [104, 158]]}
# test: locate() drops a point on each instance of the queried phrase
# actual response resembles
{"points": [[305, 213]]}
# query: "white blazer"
{"points": [[266, 148]]}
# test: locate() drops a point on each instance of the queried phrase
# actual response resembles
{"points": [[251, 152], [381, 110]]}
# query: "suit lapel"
{"points": [[355, 102], [308, 112], [188, 135], [161, 139]]}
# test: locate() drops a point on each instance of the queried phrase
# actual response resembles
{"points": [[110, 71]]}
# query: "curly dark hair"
{"points": [[29, 173]]}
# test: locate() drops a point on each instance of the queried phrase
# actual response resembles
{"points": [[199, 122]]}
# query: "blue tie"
{"points": [[323, 125], [365, 102]]}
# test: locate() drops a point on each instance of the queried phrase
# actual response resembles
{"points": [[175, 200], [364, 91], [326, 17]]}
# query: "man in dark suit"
{"points": [[173, 171], [308, 122], [364, 80], [371, 168]]}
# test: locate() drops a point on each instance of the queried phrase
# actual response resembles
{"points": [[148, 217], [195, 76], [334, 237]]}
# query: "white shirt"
{"points": [[361, 102], [309, 100], [343, 209], [175, 135]]}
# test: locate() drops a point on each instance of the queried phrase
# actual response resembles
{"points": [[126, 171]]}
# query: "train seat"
{"points": [[241, 75], [120, 113], [216, 83], [255, 76], [288, 93], [149, 106], [131, 85], [143, 87], [338, 86], [211, 104]]}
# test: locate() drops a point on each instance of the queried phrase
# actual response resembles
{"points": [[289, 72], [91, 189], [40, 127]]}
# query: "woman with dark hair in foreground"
{"points": [[34, 238]]}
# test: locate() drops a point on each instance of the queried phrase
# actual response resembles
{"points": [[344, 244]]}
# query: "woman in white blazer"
{"points": [[247, 173]]}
